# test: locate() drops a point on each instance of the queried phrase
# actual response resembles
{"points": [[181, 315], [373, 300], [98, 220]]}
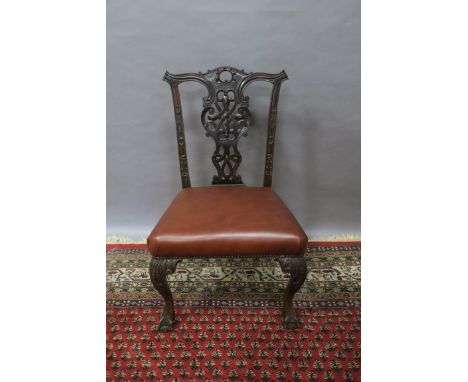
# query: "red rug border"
{"points": [[310, 244]]}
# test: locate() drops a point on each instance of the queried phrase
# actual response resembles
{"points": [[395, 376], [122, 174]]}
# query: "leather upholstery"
{"points": [[227, 221]]}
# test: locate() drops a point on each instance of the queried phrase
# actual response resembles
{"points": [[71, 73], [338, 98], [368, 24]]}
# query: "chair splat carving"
{"points": [[225, 118]]}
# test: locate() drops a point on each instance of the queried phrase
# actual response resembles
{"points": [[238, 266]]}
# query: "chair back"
{"points": [[225, 118]]}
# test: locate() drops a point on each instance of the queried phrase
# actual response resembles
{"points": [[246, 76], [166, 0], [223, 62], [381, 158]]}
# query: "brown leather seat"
{"points": [[227, 221]]}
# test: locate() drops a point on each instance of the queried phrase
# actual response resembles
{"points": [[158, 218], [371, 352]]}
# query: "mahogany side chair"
{"points": [[226, 218]]}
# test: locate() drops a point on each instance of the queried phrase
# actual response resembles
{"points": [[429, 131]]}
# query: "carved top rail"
{"points": [[225, 118]]}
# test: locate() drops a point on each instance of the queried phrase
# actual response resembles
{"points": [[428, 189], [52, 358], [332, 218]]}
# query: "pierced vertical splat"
{"points": [[226, 118]]}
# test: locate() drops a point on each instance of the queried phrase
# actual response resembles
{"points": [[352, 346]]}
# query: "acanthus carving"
{"points": [[159, 269], [297, 269]]}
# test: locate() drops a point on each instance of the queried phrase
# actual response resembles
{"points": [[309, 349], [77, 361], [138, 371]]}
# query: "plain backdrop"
{"points": [[317, 157]]}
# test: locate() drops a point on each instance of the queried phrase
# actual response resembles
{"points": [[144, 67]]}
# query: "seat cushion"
{"points": [[227, 221]]}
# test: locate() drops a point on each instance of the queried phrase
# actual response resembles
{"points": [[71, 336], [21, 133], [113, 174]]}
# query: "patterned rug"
{"points": [[229, 321]]}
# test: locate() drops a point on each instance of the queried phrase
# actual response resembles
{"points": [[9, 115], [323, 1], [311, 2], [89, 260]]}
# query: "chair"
{"points": [[226, 218]]}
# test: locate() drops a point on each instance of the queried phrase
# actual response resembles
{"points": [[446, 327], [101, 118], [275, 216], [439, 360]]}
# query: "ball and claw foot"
{"points": [[166, 322], [291, 321]]}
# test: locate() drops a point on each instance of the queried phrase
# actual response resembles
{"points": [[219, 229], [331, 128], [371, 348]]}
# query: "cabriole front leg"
{"points": [[297, 268], [159, 269]]}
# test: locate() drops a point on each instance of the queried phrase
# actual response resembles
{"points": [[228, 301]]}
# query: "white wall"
{"points": [[317, 157]]}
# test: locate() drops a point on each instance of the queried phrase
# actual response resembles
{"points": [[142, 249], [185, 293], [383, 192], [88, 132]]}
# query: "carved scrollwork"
{"points": [[226, 118]]}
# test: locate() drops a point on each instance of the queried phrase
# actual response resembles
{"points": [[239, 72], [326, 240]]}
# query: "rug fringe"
{"points": [[120, 239], [336, 237]]}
